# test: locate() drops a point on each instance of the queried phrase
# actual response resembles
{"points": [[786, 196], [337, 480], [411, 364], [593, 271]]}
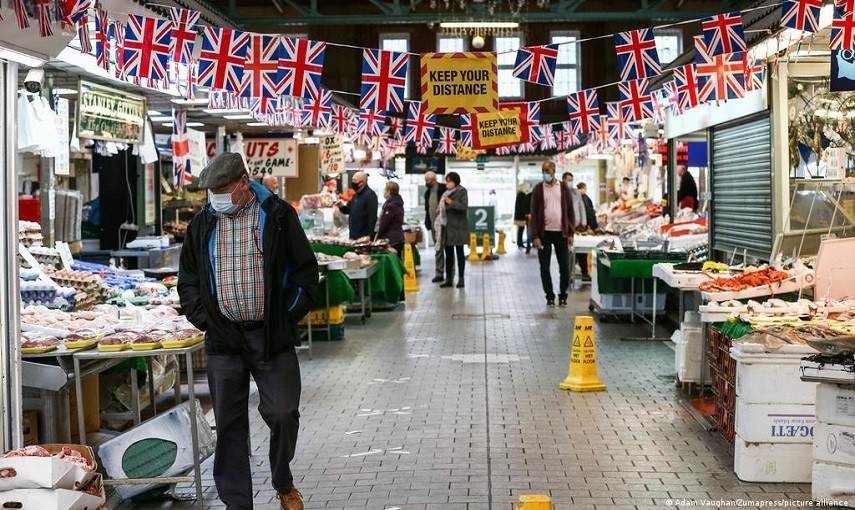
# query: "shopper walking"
{"points": [[362, 208], [247, 275], [591, 224], [433, 196], [391, 224], [687, 193], [522, 208], [578, 208], [452, 218], [552, 228]]}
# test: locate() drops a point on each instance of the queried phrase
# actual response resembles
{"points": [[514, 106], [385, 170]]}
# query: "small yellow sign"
{"points": [[467, 153], [454, 83], [497, 129]]}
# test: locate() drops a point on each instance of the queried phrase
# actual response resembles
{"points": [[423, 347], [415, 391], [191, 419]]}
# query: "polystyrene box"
{"points": [[833, 484], [775, 423], [688, 355], [771, 379], [772, 462], [835, 404], [159, 447], [834, 443]]}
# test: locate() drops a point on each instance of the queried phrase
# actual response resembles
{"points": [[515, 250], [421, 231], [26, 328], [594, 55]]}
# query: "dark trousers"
{"points": [[279, 387], [449, 262], [582, 260], [555, 240], [399, 249], [521, 233]]}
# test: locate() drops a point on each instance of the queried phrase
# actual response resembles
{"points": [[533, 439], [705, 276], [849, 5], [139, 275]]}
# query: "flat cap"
{"points": [[222, 171]]}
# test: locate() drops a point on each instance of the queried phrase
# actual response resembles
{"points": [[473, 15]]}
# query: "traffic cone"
{"points": [[411, 283], [534, 502], [501, 249], [582, 374], [473, 248], [487, 253]]}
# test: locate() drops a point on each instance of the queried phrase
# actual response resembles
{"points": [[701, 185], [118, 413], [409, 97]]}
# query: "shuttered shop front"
{"points": [[741, 170]]}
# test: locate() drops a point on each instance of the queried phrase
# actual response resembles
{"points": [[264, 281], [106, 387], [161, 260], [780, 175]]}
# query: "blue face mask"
{"points": [[547, 178]]}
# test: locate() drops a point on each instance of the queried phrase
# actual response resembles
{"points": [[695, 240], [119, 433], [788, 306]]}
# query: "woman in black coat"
{"points": [[522, 209], [391, 223], [453, 208]]}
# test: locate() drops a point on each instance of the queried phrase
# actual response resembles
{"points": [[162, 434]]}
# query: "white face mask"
{"points": [[222, 202]]}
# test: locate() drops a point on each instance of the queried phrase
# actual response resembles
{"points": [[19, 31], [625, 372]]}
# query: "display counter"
{"points": [[387, 282]]}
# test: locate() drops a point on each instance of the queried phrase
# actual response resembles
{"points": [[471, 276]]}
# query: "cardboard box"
{"points": [[91, 407], [54, 499], [30, 424], [48, 472]]}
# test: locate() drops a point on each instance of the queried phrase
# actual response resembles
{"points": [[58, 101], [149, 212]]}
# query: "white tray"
{"points": [[794, 283], [839, 374]]}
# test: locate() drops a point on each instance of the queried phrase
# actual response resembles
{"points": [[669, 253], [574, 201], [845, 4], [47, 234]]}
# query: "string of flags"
{"points": [[278, 78]]}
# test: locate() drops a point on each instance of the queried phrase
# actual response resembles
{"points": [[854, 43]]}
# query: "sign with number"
{"points": [[482, 220], [332, 156], [271, 156]]}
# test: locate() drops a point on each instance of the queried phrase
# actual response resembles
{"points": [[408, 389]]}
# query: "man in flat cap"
{"points": [[247, 275]]}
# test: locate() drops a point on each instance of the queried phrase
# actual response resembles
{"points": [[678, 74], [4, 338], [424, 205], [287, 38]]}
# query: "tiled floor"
{"points": [[453, 403]]}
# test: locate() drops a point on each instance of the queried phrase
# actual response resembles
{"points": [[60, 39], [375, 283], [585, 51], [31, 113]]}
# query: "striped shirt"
{"points": [[238, 265]]}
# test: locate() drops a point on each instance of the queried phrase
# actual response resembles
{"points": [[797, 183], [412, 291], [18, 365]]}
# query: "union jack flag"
{"points": [[222, 58], [600, 138], [74, 10], [754, 73], [262, 106], [146, 47], [302, 63], [384, 78], [723, 33], [547, 139], [673, 96], [721, 77], [317, 109], [527, 147], [102, 39], [21, 14], [660, 104], [183, 33], [566, 139], [422, 149], [529, 114], [845, 5], [342, 119], [801, 14], [686, 87], [180, 148], [584, 111], [371, 123], [447, 141], [842, 30], [396, 127], [119, 45], [261, 73], [619, 127], [505, 150], [467, 130], [420, 127], [636, 53], [635, 100], [43, 11], [83, 35], [537, 64]]}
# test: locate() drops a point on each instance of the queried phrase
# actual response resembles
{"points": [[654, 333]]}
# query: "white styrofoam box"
{"points": [[771, 379], [770, 462], [835, 404], [688, 355], [833, 484], [172, 426], [775, 423], [54, 499], [834, 443], [693, 318], [623, 302]]}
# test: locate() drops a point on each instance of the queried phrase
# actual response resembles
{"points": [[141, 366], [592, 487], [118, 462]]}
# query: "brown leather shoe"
{"points": [[292, 500]]}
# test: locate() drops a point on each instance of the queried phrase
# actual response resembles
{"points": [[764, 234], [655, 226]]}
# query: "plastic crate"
{"points": [[336, 334], [320, 317]]}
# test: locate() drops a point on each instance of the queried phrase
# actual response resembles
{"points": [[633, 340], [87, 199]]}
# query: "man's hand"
{"points": [[538, 244], [448, 200]]}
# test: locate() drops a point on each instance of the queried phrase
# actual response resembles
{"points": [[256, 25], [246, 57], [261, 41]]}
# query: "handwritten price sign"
{"points": [[332, 156]]}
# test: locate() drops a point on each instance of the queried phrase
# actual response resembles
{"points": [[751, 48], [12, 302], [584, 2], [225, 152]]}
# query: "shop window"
{"points": [[401, 44], [506, 48], [567, 76], [669, 45], [450, 44]]}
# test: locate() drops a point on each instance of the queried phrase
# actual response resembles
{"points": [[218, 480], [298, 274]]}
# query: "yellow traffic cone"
{"points": [[582, 374], [501, 249], [534, 502], [487, 253], [473, 248], [411, 283]]}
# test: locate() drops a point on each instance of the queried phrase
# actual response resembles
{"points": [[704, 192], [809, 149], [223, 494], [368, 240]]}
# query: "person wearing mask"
{"points": [[453, 209], [493, 201], [591, 219], [433, 194], [552, 228], [522, 208], [362, 208], [391, 223], [687, 193], [247, 275], [578, 208], [271, 182]]}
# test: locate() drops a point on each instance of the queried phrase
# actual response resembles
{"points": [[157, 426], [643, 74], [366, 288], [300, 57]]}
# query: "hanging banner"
{"points": [[498, 129], [108, 114], [332, 156], [271, 156], [197, 155], [454, 83], [842, 70], [62, 163]]}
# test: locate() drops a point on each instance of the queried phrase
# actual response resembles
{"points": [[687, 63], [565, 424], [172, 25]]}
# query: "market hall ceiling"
{"points": [[254, 14]]}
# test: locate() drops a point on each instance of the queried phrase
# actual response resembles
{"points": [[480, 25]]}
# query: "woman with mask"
{"points": [[391, 223], [452, 219]]}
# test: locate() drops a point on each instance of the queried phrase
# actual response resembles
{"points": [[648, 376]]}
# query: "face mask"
{"points": [[222, 202], [547, 178], [570, 185]]}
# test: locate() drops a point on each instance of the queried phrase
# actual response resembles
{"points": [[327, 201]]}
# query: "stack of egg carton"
{"points": [[834, 444]]}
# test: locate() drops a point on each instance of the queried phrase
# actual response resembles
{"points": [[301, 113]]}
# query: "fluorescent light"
{"points": [[23, 57], [161, 118], [221, 111], [600, 156], [196, 102], [239, 117], [65, 92], [257, 124], [479, 24], [154, 113], [195, 124], [310, 140]]}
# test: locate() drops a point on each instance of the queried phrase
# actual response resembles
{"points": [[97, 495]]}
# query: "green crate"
{"points": [[609, 285]]}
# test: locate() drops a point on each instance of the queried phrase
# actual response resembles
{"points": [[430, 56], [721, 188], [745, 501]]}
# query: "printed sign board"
{"points": [[108, 114], [459, 83], [62, 163], [482, 220], [842, 70], [498, 129], [271, 156]]}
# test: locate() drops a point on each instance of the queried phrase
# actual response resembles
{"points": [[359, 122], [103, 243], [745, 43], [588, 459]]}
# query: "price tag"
{"points": [[332, 156]]}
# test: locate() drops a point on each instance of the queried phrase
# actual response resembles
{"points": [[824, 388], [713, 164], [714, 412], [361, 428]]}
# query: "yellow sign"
{"points": [[459, 83], [582, 374], [467, 153], [497, 129]]}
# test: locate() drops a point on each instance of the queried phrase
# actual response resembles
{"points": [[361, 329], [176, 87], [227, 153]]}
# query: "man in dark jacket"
{"points": [[591, 223], [552, 227], [433, 193], [687, 193], [522, 208], [247, 275], [362, 208]]}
